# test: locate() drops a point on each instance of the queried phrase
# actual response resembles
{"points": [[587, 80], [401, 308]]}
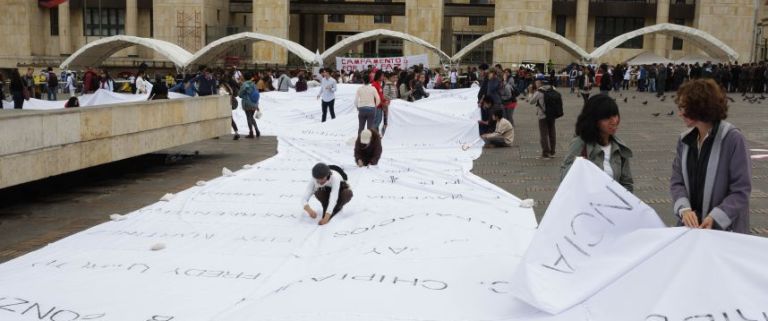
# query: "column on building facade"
{"points": [[662, 16], [733, 23], [65, 35], [517, 49], [424, 19], [271, 17], [131, 23], [582, 22]]}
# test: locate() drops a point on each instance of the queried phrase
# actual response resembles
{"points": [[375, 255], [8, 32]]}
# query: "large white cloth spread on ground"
{"points": [[422, 239], [100, 97]]}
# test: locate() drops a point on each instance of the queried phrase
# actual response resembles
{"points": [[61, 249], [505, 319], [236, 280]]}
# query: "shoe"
{"points": [[236, 137], [249, 136], [258, 133]]}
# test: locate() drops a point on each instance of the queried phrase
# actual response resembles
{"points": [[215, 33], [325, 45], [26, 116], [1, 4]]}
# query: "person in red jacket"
{"points": [[89, 81], [378, 82]]}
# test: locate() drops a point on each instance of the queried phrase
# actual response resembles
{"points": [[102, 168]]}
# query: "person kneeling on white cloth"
{"points": [[329, 185], [368, 148], [504, 134]]}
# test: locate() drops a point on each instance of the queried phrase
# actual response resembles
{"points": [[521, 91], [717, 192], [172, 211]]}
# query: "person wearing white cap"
{"points": [[368, 148]]}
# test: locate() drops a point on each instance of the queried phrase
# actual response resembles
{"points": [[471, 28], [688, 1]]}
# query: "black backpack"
{"points": [[53, 81], [339, 170], [553, 104]]}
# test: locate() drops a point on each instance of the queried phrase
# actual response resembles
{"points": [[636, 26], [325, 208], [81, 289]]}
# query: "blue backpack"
{"points": [[254, 95]]}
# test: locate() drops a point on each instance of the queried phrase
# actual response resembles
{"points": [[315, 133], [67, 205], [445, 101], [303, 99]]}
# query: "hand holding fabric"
{"points": [[690, 219]]}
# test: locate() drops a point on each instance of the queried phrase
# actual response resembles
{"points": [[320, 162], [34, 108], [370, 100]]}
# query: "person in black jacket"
{"points": [[159, 90], [368, 148], [17, 90], [605, 81], [206, 83]]}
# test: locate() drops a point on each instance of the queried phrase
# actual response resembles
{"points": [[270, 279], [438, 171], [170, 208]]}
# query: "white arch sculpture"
{"points": [[711, 45], [216, 48], [93, 53], [376, 34], [566, 44]]}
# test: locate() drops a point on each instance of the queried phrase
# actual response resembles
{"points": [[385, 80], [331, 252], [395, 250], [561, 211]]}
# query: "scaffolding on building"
{"points": [[189, 30]]}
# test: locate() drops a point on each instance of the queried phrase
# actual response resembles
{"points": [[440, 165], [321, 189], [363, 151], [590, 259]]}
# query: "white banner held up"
{"points": [[587, 215], [386, 64]]}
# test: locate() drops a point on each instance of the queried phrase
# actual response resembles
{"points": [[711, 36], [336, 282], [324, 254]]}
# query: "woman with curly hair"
{"points": [[711, 173], [596, 141]]}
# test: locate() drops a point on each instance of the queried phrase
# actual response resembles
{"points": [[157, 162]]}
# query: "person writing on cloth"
{"points": [[329, 186], [504, 134], [368, 148]]}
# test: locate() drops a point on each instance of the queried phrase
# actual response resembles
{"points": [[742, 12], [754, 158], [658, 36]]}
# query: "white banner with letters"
{"points": [[386, 64], [422, 239]]}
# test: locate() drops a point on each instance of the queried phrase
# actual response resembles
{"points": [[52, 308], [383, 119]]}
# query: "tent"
{"points": [[694, 58], [647, 58]]}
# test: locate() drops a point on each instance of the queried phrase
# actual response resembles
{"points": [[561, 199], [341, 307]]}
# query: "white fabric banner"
{"points": [[422, 239], [558, 270], [386, 64], [100, 97]]}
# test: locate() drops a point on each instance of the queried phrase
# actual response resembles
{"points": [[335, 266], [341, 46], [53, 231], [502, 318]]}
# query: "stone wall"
{"points": [[39, 144]]}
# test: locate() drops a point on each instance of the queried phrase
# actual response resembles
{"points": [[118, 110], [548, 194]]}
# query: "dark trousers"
{"points": [[508, 112], [585, 95], [251, 122], [323, 195], [234, 126], [365, 118], [328, 105], [52, 93], [548, 135], [18, 100]]}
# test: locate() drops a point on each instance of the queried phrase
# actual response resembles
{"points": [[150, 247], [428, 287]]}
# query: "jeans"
{"points": [[249, 116], [328, 105], [18, 99], [377, 117], [548, 135], [52, 93], [652, 85], [365, 118]]}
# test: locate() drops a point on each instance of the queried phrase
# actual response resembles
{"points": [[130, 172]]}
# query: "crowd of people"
{"points": [[710, 183]]}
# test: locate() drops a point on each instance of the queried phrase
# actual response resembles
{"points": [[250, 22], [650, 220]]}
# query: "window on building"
{"points": [[560, 25], [677, 43], [107, 22], [478, 21], [382, 19], [336, 18], [54, 21], [607, 28], [481, 54]]}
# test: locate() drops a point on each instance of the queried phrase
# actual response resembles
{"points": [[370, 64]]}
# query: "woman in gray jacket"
{"points": [[711, 173], [596, 141]]}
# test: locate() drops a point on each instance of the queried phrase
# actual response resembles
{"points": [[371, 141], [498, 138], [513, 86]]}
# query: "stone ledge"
{"points": [[40, 144]]}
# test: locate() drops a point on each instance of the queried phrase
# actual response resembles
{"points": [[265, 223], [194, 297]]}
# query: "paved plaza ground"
{"points": [[35, 214]]}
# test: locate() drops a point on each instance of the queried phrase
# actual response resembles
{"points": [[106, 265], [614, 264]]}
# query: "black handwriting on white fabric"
{"points": [[580, 243]]}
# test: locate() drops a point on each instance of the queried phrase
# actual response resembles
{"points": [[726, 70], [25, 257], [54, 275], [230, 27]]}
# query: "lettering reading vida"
{"points": [[41, 312], [736, 315], [581, 242]]}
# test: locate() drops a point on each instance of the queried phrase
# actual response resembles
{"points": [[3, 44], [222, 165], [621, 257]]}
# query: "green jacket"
{"points": [[620, 155]]}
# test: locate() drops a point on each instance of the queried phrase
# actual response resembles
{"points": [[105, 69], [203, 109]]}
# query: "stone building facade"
{"points": [[43, 33]]}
